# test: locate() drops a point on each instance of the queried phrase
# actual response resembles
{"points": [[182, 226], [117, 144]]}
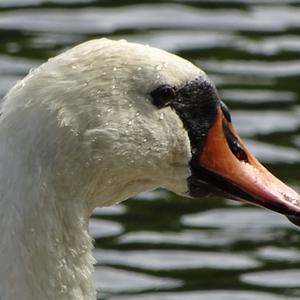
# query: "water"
{"points": [[158, 245]]}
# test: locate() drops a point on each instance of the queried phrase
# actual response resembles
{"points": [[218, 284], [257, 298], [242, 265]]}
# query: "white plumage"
{"points": [[76, 133]]}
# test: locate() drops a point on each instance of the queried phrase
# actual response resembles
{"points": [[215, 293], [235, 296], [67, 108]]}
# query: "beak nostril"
{"points": [[241, 155]]}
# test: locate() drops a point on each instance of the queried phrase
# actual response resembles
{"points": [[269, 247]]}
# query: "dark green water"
{"points": [[159, 246]]}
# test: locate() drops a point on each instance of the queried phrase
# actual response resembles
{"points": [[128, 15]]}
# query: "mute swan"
{"points": [[93, 126]]}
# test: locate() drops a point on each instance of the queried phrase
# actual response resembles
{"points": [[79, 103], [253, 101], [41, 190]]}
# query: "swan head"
{"points": [[136, 117]]}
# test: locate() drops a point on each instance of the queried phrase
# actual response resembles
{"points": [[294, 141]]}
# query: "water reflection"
{"points": [[217, 295], [250, 123], [167, 260], [254, 68], [279, 254], [117, 280], [203, 238], [100, 228], [274, 154], [242, 218], [278, 279], [258, 97]]}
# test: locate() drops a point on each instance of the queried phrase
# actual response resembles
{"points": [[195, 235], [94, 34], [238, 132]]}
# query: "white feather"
{"points": [[76, 133]]}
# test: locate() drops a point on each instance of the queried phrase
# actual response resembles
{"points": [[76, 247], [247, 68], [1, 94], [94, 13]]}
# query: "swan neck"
{"points": [[45, 249]]}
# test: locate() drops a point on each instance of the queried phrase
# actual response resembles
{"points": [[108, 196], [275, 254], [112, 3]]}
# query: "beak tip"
{"points": [[293, 201], [222, 164]]}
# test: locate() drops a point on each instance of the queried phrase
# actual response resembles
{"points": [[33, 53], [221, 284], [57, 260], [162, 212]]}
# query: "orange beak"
{"points": [[230, 166]]}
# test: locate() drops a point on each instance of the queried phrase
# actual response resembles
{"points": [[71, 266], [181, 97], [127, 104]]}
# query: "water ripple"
{"points": [[204, 238], [255, 97], [108, 20], [116, 280], [291, 255], [273, 154], [102, 229], [250, 123], [204, 295], [277, 279], [253, 68], [247, 218], [175, 259]]}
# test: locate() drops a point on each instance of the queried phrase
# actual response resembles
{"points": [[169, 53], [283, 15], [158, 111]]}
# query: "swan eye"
{"points": [[234, 145], [163, 95]]}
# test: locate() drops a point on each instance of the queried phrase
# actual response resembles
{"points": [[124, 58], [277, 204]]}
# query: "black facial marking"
{"points": [[196, 104], [163, 95]]}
